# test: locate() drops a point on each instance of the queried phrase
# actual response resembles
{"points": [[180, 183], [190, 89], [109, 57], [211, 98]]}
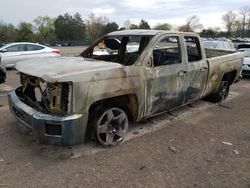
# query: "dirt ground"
{"points": [[200, 145]]}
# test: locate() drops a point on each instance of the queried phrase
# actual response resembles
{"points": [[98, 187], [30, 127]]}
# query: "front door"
{"points": [[166, 80]]}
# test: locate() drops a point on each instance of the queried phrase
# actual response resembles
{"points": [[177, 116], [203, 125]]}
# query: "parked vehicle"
{"points": [[246, 64], [218, 44], [2, 72], [68, 100], [14, 52]]}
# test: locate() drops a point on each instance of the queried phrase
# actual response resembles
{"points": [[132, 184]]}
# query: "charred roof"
{"points": [[141, 32]]}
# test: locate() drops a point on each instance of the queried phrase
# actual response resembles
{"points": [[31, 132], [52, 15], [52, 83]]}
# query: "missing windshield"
{"points": [[120, 49]]}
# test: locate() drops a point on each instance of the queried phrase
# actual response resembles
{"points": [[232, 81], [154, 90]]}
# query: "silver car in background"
{"points": [[15, 52]]}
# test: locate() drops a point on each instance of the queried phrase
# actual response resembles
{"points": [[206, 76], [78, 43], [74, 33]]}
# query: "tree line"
{"points": [[64, 28], [68, 27]]}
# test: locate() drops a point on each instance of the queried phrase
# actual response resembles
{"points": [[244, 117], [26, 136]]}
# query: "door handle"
{"points": [[181, 73], [203, 69]]}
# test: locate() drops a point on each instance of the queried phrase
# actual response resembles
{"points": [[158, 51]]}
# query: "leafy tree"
{"points": [[109, 27], [134, 26], [144, 25], [164, 26], [25, 32], [79, 27], [192, 24], [45, 28], [208, 33], [63, 27], [8, 33], [69, 27]]}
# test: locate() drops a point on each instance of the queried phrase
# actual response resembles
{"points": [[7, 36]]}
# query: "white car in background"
{"points": [[15, 52], [246, 63], [218, 44]]}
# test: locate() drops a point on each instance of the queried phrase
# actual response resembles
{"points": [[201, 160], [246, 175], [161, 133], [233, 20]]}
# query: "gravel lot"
{"points": [[200, 145]]}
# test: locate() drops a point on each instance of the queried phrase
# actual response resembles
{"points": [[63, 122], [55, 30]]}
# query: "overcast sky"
{"points": [[154, 11]]}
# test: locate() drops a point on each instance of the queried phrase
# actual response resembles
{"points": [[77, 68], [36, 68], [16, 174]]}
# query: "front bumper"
{"points": [[2, 74], [50, 129]]}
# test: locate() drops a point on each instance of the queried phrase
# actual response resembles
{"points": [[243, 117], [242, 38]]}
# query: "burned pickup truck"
{"points": [[125, 76]]}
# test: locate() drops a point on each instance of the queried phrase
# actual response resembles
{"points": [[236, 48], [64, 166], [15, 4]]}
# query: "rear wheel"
{"points": [[111, 125], [222, 92]]}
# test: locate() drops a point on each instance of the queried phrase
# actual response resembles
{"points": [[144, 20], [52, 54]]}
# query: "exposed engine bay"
{"points": [[53, 98]]}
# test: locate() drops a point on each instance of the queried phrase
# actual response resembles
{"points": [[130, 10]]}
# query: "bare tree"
{"points": [[245, 14], [127, 24], [192, 24], [248, 23], [229, 18], [95, 26]]}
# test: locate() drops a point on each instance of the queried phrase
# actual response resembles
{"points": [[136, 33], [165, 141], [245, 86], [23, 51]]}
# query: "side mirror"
{"points": [[4, 50]]}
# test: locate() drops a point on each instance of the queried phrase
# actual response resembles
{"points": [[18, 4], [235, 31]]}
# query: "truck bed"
{"points": [[221, 62], [217, 52]]}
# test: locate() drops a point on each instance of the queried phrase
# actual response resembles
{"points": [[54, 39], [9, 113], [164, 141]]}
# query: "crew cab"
{"points": [[139, 74]]}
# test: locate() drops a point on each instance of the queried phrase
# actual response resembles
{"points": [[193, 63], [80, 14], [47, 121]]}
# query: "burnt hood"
{"points": [[62, 69]]}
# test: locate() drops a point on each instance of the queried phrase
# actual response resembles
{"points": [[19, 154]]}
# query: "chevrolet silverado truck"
{"points": [[124, 77]]}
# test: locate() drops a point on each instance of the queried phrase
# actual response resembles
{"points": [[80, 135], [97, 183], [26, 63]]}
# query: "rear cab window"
{"points": [[193, 48]]}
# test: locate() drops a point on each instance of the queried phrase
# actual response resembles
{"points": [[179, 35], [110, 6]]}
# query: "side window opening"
{"points": [[107, 49], [167, 51], [193, 48], [121, 49]]}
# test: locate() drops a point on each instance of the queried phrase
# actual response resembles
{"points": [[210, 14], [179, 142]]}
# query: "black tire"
{"points": [[221, 94], [110, 125]]}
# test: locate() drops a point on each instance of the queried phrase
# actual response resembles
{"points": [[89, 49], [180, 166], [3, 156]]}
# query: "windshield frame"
{"points": [[88, 53]]}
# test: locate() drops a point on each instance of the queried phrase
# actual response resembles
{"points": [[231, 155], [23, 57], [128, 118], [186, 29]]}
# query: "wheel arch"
{"points": [[129, 103], [230, 77]]}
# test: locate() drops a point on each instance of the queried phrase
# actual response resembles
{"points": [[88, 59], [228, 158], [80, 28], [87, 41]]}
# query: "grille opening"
{"points": [[52, 98], [53, 129]]}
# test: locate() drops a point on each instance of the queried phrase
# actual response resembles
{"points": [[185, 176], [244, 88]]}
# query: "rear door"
{"points": [[166, 81], [197, 67]]}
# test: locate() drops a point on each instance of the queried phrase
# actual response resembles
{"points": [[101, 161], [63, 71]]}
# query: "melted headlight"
{"points": [[55, 98]]}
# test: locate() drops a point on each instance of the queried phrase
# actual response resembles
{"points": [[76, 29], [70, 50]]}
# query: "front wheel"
{"points": [[111, 125]]}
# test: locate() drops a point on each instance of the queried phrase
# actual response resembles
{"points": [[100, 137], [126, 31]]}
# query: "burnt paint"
{"points": [[166, 101]]}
